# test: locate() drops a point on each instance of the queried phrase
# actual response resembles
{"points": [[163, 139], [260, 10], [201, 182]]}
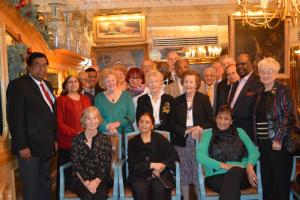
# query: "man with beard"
{"points": [[242, 102]]}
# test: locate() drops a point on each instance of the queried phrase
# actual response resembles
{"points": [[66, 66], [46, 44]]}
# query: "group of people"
{"points": [[226, 122]]}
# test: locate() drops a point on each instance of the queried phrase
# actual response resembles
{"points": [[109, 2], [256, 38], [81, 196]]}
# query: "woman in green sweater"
{"points": [[116, 106], [228, 155]]}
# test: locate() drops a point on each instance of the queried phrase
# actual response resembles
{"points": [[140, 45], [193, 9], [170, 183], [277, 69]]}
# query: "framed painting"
{"points": [[119, 28], [261, 42], [128, 55]]}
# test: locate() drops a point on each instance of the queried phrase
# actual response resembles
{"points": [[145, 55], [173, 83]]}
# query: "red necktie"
{"points": [[46, 94]]}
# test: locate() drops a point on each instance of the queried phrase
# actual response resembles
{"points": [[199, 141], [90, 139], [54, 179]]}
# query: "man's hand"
{"points": [[25, 153]]}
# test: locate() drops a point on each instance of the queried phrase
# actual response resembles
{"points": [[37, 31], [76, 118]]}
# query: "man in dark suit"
{"points": [[32, 124], [244, 96]]}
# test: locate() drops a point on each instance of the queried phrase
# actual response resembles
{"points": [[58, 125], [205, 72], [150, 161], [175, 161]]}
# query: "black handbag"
{"points": [[291, 143], [167, 179]]}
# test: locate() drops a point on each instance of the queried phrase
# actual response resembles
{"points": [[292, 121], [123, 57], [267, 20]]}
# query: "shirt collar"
{"points": [[246, 77]]}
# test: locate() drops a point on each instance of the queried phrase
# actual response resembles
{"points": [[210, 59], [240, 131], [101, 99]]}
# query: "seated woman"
{"points": [[228, 155], [91, 159], [156, 102], [149, 156]]}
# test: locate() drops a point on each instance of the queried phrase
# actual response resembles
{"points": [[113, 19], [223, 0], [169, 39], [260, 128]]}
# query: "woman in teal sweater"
{"points": [[116, 106], [228, 155]]}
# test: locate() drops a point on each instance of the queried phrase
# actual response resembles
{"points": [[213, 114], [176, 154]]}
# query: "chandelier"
{"points": [[269, 13]]}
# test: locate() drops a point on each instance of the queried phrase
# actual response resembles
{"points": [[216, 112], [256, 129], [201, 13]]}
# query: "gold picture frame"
{"points": [[119, 28], [261, 42]]}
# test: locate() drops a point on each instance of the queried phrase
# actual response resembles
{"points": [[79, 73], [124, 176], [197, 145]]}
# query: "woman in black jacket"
{"points": [[156, 102], [150, 155], [192, 114], [274, 119]]}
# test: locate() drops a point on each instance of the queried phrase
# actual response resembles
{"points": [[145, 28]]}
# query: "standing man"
{"points": [[175, 89], [244, 96], [219, 71], [93, 87], [172, 58], [32, 124], [209, 86]]}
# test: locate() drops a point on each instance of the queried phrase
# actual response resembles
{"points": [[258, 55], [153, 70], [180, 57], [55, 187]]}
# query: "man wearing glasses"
{"points": [[32, 124], [243, 96]]}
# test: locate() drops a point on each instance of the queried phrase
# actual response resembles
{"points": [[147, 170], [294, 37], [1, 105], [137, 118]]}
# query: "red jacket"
{"points": [[68, 118]]}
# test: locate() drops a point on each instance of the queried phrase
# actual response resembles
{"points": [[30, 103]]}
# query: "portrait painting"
{"points": [[119, 28], [260, 42]]}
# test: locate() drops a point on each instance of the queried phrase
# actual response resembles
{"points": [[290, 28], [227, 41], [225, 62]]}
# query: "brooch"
{"points": [[166, 108]]}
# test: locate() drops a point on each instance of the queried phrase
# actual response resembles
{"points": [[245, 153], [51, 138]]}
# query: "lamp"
{"points": [[208, 51], [270, 10]]}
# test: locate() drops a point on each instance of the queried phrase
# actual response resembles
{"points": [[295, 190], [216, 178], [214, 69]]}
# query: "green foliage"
{"points": [[16, 54]]}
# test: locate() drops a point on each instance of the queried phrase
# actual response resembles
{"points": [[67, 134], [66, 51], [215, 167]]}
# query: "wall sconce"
{"points": [[208, 51]]}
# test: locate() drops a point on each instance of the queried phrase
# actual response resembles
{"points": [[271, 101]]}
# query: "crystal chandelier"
{"points": [[269, 11]]}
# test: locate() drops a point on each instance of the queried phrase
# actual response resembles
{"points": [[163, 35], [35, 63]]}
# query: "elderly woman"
{"points": [[136, 80], [120, 71], [150, 155], [192, 114], [228, 155], [115, 106], [274, 118], [70, 105], [157, 103], [91, 159]]}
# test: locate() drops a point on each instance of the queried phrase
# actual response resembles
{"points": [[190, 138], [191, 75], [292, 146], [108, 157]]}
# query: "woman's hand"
{"points": [[227, 166], [196, 132], [276, 146], [112, 127], [156, 173], [251, 175], [158, 166]]}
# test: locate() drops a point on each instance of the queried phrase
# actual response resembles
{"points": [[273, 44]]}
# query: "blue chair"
{"points": [[295, 187], [249, 193], [113, 192], [125, 192]]}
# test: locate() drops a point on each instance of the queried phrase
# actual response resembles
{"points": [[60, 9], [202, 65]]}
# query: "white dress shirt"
{"points": [[239, 89]]}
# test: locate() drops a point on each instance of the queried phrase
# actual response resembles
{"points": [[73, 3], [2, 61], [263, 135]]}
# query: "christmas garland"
{"points": [[30, 13], [16, 55]]}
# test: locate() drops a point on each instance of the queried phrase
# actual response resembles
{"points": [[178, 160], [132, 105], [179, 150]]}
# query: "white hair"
{"points": [[268, 63]]}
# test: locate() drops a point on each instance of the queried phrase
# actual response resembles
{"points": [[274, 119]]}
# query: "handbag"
{"points": [[292, 143], [167, 179]]}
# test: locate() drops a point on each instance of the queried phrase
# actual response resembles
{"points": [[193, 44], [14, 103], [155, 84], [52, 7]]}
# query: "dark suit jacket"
{"points": [[31, 122], [202, 116], [140, 156], [98, 89], [165, 112], [222, 93], [244, 105]]}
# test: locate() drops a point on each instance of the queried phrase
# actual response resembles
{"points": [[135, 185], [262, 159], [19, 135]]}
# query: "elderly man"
{"points": [[219, 71], [175, 89], [172, 58], [209, 86], [147, 66], [32, 124], [243, 99]]}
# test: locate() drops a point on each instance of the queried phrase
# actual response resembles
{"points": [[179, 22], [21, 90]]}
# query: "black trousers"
{"points": [[228, 185], [149, 190], [64, 156], [35, 177], [84, 194], [276, 169]]}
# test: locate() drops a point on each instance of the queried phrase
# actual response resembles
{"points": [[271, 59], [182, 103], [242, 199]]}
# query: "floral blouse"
{"points": [[94, 162]]}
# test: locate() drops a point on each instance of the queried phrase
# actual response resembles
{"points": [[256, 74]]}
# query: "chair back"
{"points": [[115, 144]]}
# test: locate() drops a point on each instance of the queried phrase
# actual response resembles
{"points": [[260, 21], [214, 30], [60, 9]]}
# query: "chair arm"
{"points": [[62, 179], [201, 181], [259, 184], [177, 179], [116, 179], [121, 177], [293, 175]]}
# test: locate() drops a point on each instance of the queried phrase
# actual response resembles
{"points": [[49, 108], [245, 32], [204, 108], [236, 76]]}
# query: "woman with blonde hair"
{"points": [[156, 102], [115, 105], [91, 158], [121, 71], [274, 119]]}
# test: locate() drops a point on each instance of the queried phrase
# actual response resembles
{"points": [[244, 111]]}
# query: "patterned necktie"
{"points": [[46, 94]]}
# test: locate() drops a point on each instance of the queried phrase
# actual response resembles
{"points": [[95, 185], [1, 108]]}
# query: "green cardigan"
{"points": [[212, 166], [112, 112]]}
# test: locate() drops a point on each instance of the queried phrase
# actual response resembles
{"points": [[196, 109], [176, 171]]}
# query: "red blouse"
{"points": [[68, 118]]}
